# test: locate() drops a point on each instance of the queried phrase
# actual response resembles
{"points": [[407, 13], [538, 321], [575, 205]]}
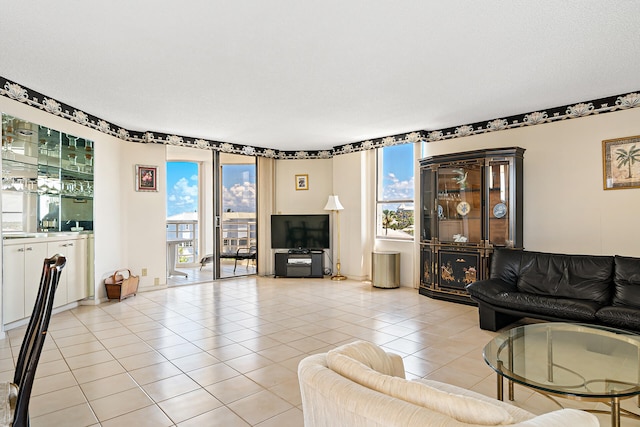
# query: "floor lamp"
{"points": [[334, 205]]}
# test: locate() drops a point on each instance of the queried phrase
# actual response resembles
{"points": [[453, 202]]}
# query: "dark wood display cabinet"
{"points": [[471, 203]]}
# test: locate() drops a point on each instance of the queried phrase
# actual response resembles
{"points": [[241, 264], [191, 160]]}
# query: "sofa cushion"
{"points": [[585, 277], [354, 361], [627, 282], [557, 308], [505, 265]]}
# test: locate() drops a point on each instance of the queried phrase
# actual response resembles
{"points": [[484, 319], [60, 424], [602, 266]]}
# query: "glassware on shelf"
{"points": [[47, 185], [54, 188], [88, 162], [32, 185], [68, 187], [12, 183], [7, 147], [6, 179], [18, 184], [43, 188], [73, 161]]}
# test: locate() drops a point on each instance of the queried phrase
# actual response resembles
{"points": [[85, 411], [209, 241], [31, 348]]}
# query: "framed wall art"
{"points": [[146, 178], [302, 182], [621, 163]]}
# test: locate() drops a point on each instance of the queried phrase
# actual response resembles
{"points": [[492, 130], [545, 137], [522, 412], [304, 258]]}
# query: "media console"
{"points": [[299, 264]]}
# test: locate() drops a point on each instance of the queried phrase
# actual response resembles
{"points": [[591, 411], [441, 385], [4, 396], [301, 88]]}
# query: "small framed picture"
{"points": [[146, 178], [621, 163], [302, 182]]}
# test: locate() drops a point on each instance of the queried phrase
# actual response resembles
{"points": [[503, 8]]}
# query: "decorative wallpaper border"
{"points": [[35, 99]]}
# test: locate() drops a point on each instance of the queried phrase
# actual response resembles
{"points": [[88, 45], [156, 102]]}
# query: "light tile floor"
{"points": [[226, 353]]}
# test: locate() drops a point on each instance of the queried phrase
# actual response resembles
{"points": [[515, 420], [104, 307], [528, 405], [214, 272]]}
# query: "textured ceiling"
{"points": [[309, 75]]}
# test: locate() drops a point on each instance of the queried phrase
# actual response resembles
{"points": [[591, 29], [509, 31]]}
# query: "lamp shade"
{"points": [[333, 204]]}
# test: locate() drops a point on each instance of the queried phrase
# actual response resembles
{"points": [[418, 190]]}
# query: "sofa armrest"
{"points": [[490, 289]]}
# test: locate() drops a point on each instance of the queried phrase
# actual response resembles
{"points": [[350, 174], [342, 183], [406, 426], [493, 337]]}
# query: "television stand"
{"points": [[297, 264]]}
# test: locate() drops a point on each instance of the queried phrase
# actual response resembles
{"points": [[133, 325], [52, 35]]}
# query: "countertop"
{"points": [[18, 238]]}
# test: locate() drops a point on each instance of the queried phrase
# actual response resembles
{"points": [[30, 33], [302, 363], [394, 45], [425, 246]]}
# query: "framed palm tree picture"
{"points": [[621, 163]]}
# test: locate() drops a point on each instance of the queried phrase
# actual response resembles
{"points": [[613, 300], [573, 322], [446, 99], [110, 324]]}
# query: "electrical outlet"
{"points": [[144, 272], [156, 281]]}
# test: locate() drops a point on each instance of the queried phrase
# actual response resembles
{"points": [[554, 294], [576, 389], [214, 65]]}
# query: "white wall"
{"points": [[111, 251], [288, 200], [311, 201], [351, 179], [145, 214]]}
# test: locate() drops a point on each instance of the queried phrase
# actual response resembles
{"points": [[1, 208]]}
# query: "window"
{"points": [[394, 195]]}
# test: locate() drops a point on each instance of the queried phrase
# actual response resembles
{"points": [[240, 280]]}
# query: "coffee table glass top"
{"points": [[583, 361]]}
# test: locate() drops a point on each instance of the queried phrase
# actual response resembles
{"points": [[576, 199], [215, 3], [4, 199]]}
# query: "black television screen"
{"points": [[300, 231]]}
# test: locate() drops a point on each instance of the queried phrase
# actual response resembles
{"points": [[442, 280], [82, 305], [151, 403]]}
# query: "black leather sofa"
{"points": [[594, 289]]}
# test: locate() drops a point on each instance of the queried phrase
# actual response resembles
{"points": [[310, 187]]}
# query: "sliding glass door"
{"points": [[211, 215], [236, 221]]}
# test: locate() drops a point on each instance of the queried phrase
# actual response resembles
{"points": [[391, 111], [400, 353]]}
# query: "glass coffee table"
{"points": [[575, 361]]}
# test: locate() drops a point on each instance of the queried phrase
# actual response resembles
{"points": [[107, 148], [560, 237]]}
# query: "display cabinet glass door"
{"points": [[460, 203], [428, 199], [499, 205]]}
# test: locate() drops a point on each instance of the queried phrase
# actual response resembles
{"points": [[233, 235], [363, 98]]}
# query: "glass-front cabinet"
{"points": [[47, 179], [471, 203]]}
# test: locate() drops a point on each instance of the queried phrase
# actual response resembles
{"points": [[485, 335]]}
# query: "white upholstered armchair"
{"points": [[359, 384]]}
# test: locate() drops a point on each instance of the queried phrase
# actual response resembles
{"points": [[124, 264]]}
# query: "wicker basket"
{"points": [[120, 286]]}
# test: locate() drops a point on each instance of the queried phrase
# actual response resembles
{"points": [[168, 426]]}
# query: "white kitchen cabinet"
{"points": [[77, 288], [22, 271], [73, 282], [22, 268]]}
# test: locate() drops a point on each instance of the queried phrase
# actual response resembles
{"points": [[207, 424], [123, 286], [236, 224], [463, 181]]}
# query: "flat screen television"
{"points": [[300, 231]]}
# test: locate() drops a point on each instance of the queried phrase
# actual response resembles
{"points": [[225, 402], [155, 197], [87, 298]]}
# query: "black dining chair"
{"points": [[250, 253], [16, 405]]}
